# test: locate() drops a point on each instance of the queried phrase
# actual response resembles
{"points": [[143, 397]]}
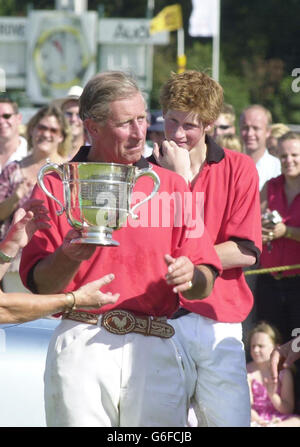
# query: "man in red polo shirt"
{"points": [[191, 102], [97, 374]]}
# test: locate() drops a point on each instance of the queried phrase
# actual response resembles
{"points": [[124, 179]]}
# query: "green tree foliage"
{"points": [[20, 8], [260, 45], [259, 48]]}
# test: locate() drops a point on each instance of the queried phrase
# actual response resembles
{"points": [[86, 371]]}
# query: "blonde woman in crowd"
{"points": [[277, 130], [231, 142], [48, 138]]}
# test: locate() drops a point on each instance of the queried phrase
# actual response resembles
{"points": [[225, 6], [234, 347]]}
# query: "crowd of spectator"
{"points": [[56, 132]]}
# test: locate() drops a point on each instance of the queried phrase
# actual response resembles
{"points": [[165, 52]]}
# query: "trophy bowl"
{"points": [[97, 197]]}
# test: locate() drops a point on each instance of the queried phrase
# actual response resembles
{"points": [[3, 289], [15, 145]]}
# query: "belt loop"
{"points": [[148, 328]]}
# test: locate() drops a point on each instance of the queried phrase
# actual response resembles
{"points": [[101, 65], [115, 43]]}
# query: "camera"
{"points": [[272, 217]]}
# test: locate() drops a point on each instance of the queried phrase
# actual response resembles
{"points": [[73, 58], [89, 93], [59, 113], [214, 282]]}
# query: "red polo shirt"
{"points": [[282, 251], [138, 262], [229, 181]]}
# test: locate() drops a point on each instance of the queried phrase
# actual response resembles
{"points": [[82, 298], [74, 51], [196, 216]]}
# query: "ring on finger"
{"points": [[271, 234], [190, 284]]}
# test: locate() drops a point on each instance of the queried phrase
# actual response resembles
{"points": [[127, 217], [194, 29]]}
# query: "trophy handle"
{"points": [[50, 167], [156, 180]]}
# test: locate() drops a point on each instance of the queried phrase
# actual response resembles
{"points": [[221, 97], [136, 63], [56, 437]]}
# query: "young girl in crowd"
{"points": [[271, 404]]}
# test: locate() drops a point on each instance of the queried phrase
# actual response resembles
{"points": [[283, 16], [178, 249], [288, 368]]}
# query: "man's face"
{"points": [[184, 128], [9, 123], [122, 138], [222, 126], [254, 130], [71, 112]]}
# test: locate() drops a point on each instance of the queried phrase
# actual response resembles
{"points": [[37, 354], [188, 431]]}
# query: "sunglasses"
{"points": [[53, 130], [71, 114], [223, 126], [7, 116]]}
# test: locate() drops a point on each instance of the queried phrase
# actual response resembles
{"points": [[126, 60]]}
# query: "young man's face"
{"points": [[122, 138], [71, 112], [184, 128]]}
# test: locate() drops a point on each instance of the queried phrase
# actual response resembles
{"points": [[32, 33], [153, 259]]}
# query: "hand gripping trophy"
{"points": [[97, 197]]}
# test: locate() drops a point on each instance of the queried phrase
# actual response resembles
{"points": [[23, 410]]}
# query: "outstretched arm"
{"points": [[20, 307]]}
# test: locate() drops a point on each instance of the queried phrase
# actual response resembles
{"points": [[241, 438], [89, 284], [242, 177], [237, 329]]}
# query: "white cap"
{"points": [[73, 93]]}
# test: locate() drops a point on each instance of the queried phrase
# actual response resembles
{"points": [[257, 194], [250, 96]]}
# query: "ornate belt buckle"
{"points": [[118, 322]]}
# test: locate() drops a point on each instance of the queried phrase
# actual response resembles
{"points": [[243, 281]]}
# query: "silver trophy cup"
{"points": [[97, 197]]}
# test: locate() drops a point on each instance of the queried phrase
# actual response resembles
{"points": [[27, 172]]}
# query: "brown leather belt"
{"points": [[122, 322]]}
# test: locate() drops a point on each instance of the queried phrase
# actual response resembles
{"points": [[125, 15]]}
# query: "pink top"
{"points": [[262, 403], [283, 251]]}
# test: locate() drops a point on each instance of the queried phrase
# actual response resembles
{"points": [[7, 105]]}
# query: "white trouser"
{"points": [[96, 378], [222, 394]]}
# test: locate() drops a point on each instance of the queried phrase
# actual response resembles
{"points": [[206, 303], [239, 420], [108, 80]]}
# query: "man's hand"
{"points": [[77, 252], [180, 273], [174, 158], [284, 356]]}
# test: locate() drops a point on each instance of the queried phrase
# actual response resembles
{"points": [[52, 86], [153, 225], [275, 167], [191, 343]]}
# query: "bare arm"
{"points": [[25, 223], [233, 255], [283, 402], [20, 307]]}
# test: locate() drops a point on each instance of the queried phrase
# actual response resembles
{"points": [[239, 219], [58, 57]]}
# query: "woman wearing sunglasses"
{"points": [[48, 137]]}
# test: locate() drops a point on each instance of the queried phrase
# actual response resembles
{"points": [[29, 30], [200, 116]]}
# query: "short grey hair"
{"points": [[101, 90]]}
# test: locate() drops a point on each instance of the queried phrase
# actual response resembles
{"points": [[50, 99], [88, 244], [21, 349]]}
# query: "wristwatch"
{"points": [[6, 258]]}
